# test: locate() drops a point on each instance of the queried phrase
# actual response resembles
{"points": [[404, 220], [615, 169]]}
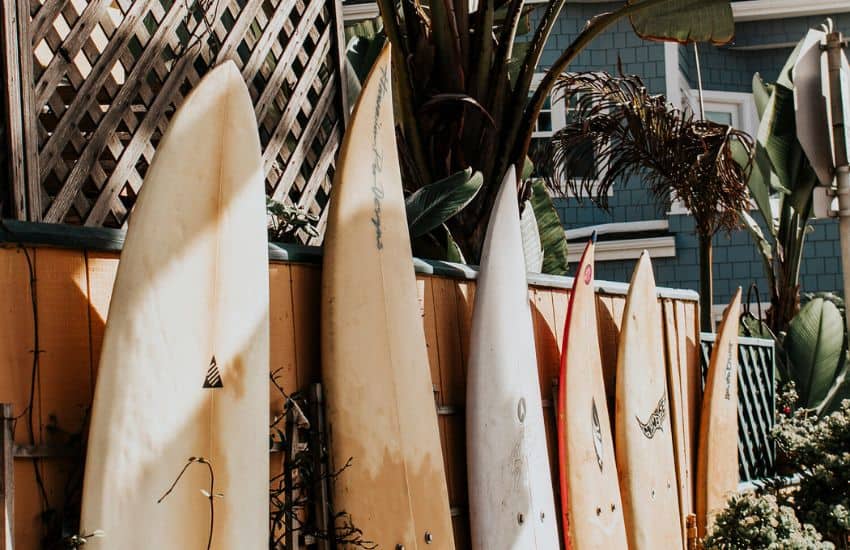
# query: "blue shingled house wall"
{"points": [[760, 46]]}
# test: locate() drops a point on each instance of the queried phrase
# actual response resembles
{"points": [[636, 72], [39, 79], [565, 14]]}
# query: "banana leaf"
{"points": [[531, 246], [552, 235], [815, 347], [761, 94], [430, 206], [685, 21]]}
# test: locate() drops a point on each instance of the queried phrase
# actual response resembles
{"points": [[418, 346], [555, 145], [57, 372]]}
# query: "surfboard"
{"points": [[717, 454], [678, 417], [380, 403], [643, 437], [183, 375], [591, 507], [511, 502]]}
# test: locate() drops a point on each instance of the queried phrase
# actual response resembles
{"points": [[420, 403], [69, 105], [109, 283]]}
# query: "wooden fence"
{"points": [[59, 298], [90, 86]]}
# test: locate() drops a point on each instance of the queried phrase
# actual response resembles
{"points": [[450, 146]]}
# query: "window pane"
{"points": [[720, 117], [536, 152], [583, 164], [544, 122]]}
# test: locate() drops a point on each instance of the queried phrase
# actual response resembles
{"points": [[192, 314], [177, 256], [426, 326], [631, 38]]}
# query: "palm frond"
{"points": [[637, 134]]}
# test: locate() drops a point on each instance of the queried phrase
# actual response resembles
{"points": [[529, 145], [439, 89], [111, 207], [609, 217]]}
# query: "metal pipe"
{"points": [[842, 170]]}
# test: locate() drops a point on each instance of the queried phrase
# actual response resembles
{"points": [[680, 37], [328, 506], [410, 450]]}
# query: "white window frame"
{"points": [[559, 120], [625, 248], [740, 105]]}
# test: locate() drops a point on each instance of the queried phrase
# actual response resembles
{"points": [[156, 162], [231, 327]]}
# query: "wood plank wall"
{"points": [[71, 293]]}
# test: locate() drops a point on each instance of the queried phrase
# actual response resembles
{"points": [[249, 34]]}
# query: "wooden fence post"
{"points": [[13, 102], [7, 478]]}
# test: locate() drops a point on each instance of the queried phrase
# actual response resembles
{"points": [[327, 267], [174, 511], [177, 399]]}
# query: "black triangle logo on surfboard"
{"points": [[213, 377]]}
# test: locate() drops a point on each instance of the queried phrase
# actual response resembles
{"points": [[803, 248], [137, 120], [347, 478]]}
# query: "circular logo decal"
{"points": [[588, 274]]}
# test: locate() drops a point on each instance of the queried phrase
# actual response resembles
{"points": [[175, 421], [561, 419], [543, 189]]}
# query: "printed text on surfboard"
{"points": [[378, 159]]}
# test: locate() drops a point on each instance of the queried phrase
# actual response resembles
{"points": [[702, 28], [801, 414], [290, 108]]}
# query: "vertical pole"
{"points": [[318, 448], [842, 170], [7, 478], [699, 82], [288, 487]]}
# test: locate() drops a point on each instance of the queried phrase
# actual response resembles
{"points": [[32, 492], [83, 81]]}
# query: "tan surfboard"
{"points": [[380, 401], [717, 454], [591, 507], [643, 435], [678, 417], [185, 361]]}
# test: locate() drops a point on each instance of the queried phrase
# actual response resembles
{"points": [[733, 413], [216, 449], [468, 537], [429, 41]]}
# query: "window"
{"points": [[554, 115], [731, 108]]}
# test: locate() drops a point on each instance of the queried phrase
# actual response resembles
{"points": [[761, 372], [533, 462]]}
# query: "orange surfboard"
{"points": [[591, 506]]}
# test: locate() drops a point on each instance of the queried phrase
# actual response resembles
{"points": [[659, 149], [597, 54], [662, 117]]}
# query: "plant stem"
{"points": [[706, 284], [404, 89]]}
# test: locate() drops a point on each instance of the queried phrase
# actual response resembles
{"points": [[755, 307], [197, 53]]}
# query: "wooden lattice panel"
{"points": [[107, 75]]}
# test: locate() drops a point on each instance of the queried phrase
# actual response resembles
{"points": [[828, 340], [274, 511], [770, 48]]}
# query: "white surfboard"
{"points": [[511, 502], [185, 362]]}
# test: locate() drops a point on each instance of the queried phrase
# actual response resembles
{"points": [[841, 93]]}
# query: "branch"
{"points": [[525, 120]]}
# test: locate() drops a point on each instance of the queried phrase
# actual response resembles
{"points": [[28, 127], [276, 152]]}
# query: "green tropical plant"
{"points": [[781, 184], [462, 85], [811, 341], [635, 133], [364, 41], [285, 221]]}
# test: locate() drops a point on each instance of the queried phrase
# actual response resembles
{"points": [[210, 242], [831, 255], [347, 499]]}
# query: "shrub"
{"points": [[818, 448], [755, 520]]}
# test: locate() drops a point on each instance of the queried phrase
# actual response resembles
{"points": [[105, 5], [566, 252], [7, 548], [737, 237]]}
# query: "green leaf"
{"points": [[430, 206], [760, 186], [552, 235], [527, 169], [531, 247], [761, 94], [814, 346], [685, 21], [437, 245], [754, 228], [453, 251]]}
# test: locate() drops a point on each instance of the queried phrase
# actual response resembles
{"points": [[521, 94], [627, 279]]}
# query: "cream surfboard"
{"points": [[643, 436], [717, 454], [185, 361], [591, 507], [511, 502], [380, 401]]}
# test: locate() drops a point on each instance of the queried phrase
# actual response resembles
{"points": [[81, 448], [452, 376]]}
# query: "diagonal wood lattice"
{"points": [[100, 79]]}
